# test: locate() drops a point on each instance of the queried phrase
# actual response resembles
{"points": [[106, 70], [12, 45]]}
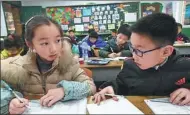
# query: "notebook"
{"points": [[123, 106], [69, 107], [167, 108]]}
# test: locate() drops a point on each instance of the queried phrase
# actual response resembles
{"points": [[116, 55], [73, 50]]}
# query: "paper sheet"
{"points": [[69, 107], [167, 108], [130, 17], [123, 106], [79, 28]]}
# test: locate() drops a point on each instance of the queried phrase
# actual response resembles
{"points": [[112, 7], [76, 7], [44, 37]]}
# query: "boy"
{"points": [[181, 38], [13, 45], [157, 69], [94, 42], [119, 46], [113, 34], [73, 37]]}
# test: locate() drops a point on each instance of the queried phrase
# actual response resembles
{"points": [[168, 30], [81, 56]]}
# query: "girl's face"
{"points": [[47, 42]]}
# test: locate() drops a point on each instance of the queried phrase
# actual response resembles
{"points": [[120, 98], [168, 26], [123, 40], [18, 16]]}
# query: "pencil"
{"points": [[111, 50], [14, 93], [112, 95]]}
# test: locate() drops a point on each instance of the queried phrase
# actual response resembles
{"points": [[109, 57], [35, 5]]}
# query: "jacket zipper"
{"points": [[44, 84]]}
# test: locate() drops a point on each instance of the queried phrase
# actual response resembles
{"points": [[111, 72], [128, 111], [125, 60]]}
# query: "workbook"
{"points": [[69, 107], [163, 107], [109, 106]]}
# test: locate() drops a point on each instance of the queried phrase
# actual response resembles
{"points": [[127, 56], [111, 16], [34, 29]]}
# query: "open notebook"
{"points": [[123, 106], [69, 107], [167, 108]]}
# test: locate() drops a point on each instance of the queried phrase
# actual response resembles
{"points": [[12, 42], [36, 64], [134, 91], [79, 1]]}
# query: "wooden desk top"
{"points": [[110, 64], [138, 101]]}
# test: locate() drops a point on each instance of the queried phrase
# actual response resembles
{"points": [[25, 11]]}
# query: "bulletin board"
{"points": [[104, 16]]}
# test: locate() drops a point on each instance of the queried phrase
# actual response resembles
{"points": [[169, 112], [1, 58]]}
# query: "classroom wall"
{"points": [[65, 3], [186, 31], [3, 23]]}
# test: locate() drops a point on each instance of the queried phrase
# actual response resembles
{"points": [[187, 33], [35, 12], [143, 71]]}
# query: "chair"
{"points": [[88, 72]]}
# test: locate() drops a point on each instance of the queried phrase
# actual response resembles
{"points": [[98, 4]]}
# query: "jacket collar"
{"points": [[62, 62]]}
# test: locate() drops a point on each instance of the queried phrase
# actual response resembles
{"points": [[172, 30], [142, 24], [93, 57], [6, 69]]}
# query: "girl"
{"points": [[47, 70], [13, 45]]}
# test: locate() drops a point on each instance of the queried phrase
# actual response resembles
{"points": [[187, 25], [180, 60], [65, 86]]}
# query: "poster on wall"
{"points": [[77, 20], [64, 27], [78, 13], [169, 9], [130, 17], [85, 19], [86, 12], [187, 14], [79, 28]]}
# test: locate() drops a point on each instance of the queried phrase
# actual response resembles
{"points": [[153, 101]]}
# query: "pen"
{"points": [[16, 95], [111, 50], [161, 101]]}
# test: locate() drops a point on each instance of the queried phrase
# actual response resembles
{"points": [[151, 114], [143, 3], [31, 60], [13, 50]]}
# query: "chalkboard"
{"points": [[104, 17]]}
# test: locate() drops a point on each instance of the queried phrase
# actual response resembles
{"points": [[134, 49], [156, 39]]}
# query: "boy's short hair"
{"points": [[179, 25], [90, 30], [71, 31], [114, 30], [124, 29], [93, 34], [160, 27], [13, 40]]}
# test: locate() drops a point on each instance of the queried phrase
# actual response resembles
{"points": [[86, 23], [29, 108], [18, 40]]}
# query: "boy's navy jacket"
{"points": [[174, 74]]}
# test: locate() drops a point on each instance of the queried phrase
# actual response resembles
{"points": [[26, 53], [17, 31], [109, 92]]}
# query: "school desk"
{"points": [[104, 72], [138, 101], [184, 49]]}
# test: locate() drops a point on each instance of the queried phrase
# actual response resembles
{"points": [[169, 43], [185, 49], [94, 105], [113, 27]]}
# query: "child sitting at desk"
{"points": [[47, 69], [156, 69], [13, 45], [94, 42], [118, 47], [181, 38]]}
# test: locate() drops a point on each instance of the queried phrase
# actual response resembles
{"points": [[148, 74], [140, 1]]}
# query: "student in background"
{"points": [[13, 46], [47, 70], [72, 36], [94, 42], [85, 38], [181, 38], [119, 46], [113, 34], [157, 69], [74, 48]]}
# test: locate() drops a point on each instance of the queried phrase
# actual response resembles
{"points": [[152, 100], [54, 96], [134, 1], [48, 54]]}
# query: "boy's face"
{"points": [[92, 39], [47, 42], [179, 29], [13, 51], [121, 39], [71, 34], [151, 58], [113, 34]]}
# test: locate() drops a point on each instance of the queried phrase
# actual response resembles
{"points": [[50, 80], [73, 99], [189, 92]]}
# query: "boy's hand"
{"points": [[17, 107], [118, 54], [112, 55], [52, 97], [98, 97], [180, 97]]}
